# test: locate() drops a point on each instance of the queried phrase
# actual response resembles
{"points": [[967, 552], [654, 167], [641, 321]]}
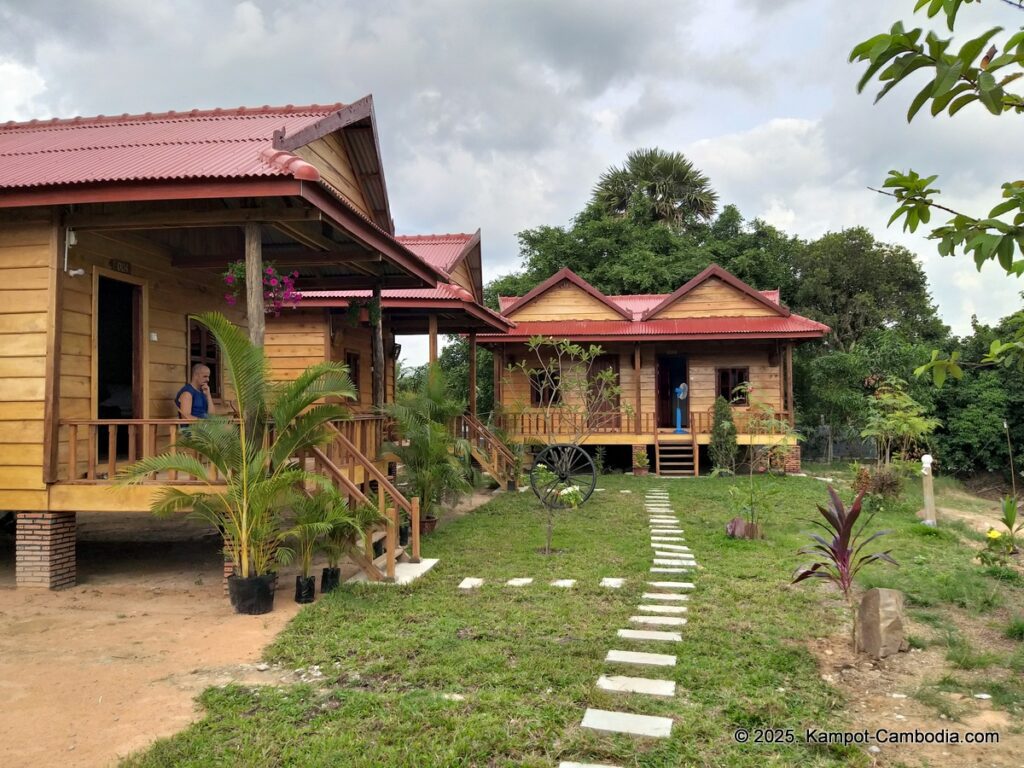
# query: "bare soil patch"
{"points": [[92, 673]]}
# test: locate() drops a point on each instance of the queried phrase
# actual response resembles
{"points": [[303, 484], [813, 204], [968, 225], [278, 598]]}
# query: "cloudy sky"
{"points": [[501, 115]]}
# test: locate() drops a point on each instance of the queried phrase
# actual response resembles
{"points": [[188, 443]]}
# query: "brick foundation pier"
{"points": [[45, 550]]}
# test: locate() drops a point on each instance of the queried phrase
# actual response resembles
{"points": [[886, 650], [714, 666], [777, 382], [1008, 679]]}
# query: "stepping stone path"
{"points": [[518, 582], [612, 583], [658, 611], [563, 583], [470, 583]]}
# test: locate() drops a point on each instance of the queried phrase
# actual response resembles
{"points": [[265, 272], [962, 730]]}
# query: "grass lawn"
{"points": [[525, 660]]}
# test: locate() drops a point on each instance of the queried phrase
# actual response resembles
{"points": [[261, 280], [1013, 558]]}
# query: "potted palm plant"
{"points": [[245, 468], [315, 516], [435, 464], [347, 530]]}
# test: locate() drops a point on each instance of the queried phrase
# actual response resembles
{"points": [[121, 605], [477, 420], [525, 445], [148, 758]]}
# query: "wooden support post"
{"points": [[432, 330], [472, 374], [54, 325], [789, 386], [377, 331], [392, 515], [636, 384], [414, 522], [255, 311]]}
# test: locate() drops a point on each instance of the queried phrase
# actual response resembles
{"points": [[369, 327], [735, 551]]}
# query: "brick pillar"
{"points": [[45, 549], [792, 462]]}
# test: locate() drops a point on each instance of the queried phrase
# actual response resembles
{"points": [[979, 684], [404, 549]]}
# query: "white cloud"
{"points": [[22, 92]]}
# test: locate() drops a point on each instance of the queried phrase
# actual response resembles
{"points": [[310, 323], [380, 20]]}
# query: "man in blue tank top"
{"points": [[194, 400]]}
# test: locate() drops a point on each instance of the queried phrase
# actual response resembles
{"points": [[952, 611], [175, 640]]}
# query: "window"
{"points": [[352, 362], [728, 380], [544, 389], [203, 349]]}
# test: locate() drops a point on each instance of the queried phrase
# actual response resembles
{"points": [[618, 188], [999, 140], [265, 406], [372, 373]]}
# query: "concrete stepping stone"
{"points": [[639, 657], [518, 582], [666, 531], [624, 722], [671, 554], [564, 583], [660, 621], [673, 561], [666, 596], [672, 584], [663, 608], [612, 583], [662, 569], [570, 764], [470, 583], [654, 520], [625, 491], [650, 634], [667, 538], [624, 684], [674, 547]]}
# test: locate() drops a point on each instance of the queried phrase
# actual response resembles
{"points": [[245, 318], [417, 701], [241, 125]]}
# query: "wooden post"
{"points": [[392, 515], [930, 517], [472, 374], [54, 324], [255, 311], [432, 330], [377, 331], [789, 386], [415, 523], [636, 383]]}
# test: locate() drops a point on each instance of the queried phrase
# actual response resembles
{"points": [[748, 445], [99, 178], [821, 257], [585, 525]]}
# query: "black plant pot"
{"points": [[252, 596], [330, 578], [378, 548], [404, 533], [305, 589]]}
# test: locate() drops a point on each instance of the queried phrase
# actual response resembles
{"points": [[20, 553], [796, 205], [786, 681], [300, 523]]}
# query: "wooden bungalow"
{"points": [[712, 334], [339, 325], [113, 230]]}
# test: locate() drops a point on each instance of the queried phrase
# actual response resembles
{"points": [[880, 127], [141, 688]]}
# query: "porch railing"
{"points": [[489, 451], [747, 422], [561, 424]]}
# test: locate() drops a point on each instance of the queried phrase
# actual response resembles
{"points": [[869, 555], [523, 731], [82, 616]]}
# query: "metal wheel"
{"points": [[570, 465]]}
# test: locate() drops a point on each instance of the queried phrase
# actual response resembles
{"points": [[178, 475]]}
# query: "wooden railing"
{"points": [[562, 424], [492, 454], [747, 422]]}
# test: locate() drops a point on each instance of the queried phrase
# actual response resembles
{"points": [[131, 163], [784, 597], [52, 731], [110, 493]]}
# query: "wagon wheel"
{"points": [[570, 465]]}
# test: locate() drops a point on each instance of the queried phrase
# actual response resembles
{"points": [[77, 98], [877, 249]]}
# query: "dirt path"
{"points": [[92, 673]]}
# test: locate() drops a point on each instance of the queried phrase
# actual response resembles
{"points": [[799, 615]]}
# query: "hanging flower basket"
{"points": [[278, 289]]}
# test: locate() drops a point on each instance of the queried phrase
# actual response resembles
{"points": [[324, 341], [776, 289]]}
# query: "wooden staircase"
{"points": [[674, 455], [493, 456]]}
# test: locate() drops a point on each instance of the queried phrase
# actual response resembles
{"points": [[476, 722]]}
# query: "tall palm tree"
{"points": [[666, 184], [247, 467]]}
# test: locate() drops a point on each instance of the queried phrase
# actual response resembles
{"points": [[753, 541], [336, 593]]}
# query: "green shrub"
{"points": [[722, 448], [1015, 629]]}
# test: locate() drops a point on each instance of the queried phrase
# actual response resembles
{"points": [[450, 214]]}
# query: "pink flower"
{"points": [[295, 273], [273, 281], [229, 279], [229, 299], [270, 270]]}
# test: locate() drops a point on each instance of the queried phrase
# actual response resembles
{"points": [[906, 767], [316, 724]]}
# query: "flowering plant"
{"points": [[278, 288], [571, 496]]}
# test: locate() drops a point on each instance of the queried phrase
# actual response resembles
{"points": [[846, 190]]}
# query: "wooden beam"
{"points": [[185, 218], [432, 332], [283, 257], [254, 307], [347, 115], [377, 331], [789, 385], [636, 385], [472, 374], [51, 393]]}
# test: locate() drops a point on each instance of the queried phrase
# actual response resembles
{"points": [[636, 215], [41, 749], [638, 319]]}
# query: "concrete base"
{"points": [[623, 722], [405, 573]]}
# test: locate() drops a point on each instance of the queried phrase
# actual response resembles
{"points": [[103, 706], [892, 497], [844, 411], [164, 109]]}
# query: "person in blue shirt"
{"points": [[194, 400]]}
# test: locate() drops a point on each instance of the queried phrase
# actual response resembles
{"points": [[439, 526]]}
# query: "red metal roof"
{"points": [[201, 144], [440, 251], [793, 326]]}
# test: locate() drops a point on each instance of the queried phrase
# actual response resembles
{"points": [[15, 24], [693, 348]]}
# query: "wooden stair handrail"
{"points": [[492, 439], [384, 484], [332, 469]]}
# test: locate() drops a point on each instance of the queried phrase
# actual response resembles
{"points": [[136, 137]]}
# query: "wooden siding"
{"points": [[462, 277], [764, 378], [169, 296], [714, 298], [565, 301], [330, 158], [27, 258]]}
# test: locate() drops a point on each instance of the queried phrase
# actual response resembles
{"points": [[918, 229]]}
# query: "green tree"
{"points": [[722, 449], [979, 71], [655, 185]]}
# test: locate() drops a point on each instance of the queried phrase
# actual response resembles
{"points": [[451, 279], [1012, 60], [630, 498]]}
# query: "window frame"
{"points": [[737, 376], [543, 394], [213, 362], [354, 371]]}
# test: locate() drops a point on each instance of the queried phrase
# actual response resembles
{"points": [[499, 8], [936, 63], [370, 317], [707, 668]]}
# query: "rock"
{"points": [[262, 667], [899, 695], [982, 696], [880, 623], [874, 750]]}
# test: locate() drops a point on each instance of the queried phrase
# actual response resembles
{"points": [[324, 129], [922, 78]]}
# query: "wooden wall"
{"points": [[715, 298], [27, 260], [331, 159], [565, 301], [462, 277]]}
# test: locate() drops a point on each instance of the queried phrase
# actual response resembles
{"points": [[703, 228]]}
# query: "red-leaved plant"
{"points": [[841, 557]]}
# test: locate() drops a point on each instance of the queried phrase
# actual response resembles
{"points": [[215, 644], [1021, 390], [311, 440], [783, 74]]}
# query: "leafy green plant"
{"points": [[348, 525], [1015, 629], [1009, 520], [640, 457], [754, 501], [315, 517], [434, 463], [600, 458], [841, 555], [722, 447], [246, 478], [896, 422]]}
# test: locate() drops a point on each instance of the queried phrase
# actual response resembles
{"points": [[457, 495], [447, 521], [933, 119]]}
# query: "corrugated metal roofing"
{"points": [[443, 292], [439, 251], [695, 326], [201, 144]]}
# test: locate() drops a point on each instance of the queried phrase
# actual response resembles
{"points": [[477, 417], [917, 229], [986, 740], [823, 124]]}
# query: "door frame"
{"points": [[658, 357], [140, 318]]}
